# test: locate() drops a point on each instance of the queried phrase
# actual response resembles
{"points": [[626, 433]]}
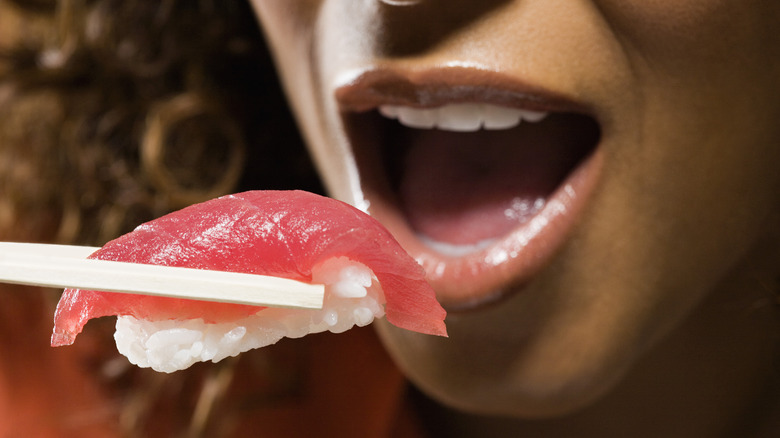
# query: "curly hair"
{"points": [[118, 112], [114, 112]]}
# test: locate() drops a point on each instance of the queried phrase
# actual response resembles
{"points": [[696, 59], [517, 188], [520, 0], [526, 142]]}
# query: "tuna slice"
{"points": [[278, 233]]}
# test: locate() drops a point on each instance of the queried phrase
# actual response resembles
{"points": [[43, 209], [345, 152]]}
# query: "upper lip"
{"points": [[464, 282], [438, 86]]}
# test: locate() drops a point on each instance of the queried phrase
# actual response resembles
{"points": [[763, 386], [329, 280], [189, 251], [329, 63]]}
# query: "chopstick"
{"points": [[66, 266]]}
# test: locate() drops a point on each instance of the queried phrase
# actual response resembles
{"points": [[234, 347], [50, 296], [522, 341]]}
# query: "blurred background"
{"points": [[112, 113]]}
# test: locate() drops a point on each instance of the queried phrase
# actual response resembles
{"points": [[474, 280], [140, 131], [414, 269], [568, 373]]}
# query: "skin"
{"points": [[657, 316]]}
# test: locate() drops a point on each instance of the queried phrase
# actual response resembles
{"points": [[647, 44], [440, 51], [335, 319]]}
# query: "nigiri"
{"points": [[291, 234]]}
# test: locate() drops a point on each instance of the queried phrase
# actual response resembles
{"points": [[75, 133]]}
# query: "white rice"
{"points": [[353, 297]]}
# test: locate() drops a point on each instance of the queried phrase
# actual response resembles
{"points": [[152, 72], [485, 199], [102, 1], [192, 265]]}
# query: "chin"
{"points": [[504, 383]]}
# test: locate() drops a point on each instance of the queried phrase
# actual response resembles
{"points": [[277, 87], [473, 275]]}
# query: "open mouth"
{"points": [[480, 184]]}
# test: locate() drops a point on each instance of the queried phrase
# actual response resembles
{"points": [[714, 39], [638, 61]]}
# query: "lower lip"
{"points": [[479, 278]]}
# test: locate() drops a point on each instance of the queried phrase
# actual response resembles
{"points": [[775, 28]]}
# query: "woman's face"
{"points": [[564, 247]]}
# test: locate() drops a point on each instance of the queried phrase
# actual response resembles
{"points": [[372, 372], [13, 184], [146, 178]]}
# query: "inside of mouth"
{"points": [[461, 190]]}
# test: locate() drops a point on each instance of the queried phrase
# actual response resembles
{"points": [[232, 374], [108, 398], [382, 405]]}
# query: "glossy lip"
{"points": [[366, 90], [472, 280]]}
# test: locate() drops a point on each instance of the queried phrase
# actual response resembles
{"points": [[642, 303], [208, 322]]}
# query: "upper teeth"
{"points": [[461, 117]]}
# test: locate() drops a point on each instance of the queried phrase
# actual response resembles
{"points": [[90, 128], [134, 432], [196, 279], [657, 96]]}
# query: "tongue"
{"points": [[465, 188]]}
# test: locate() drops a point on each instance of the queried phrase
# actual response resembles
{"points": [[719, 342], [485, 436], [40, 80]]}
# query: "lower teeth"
{"points": [[454, 250]]}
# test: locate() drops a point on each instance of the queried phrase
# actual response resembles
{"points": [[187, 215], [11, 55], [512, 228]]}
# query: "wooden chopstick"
{"points": [[49, 265]]}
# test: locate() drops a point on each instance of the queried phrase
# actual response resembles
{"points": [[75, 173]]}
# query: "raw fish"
{"points": [[277, 233]]}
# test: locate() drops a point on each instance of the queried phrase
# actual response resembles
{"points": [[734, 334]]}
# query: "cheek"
{"points": [[288, 26], [296, 15], [706, 151], [670, 34]]}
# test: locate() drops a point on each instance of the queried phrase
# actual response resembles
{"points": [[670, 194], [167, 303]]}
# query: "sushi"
{"points": [[291, 234]]}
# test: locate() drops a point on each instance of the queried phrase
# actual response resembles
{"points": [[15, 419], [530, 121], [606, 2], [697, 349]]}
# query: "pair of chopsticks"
{"points": [[67, 266]]}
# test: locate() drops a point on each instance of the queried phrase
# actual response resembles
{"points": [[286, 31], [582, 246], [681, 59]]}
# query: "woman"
{"points": [[610, 265], [610, 269]]}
